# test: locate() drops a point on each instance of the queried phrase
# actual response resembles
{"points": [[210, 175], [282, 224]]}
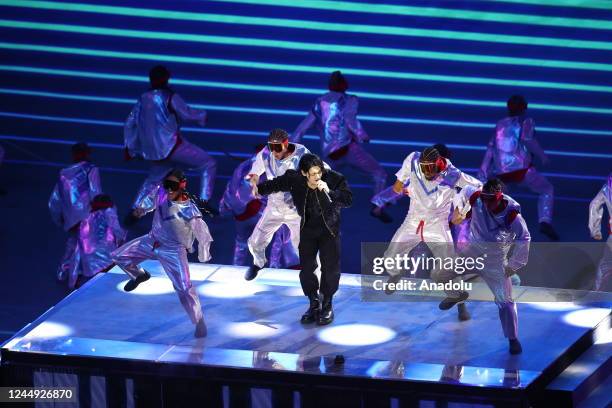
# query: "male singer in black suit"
{"points": [[318, 195]]}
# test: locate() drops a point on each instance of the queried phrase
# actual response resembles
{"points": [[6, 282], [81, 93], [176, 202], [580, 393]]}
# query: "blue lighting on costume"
{"points": [[243, 155]]}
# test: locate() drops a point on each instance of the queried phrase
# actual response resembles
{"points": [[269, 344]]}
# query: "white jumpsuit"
{"points": [[280, 208], [427, 218]]}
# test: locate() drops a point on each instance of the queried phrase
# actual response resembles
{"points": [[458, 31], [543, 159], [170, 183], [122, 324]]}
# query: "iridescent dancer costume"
{"points": [[280, 208], [389, 197], [176, 225], [239, 202], [509, 158], [427, 218], [335, 116], [504, 238], [99, 235], [152, 132], [603, 279], [70, 204]]}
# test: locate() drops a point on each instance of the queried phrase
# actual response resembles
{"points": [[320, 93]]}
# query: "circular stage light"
{"points": [[586, 317], [554, 306], [356, 334], [154, 286], [231, 290], [48, 330], [295, 291], [254, 330]]}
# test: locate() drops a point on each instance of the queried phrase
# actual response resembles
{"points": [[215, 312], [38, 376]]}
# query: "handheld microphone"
{"points": [[326, 194]]}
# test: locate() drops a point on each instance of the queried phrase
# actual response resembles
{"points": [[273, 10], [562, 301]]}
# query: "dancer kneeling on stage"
{"points": [[176, 224], [318, 195], [496, 228]]}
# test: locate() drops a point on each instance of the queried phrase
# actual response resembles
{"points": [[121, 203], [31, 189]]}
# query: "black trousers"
{"points": [[311, 242]]}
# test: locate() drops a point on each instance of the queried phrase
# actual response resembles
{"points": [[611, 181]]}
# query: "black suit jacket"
{"points": [[295, 183]]}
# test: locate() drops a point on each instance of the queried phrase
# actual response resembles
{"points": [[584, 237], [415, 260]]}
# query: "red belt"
{"points": [[252, 208], [420, 229], [514, 176]]}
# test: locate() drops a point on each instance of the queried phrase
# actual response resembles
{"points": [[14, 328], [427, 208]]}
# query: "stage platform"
{"points": [[138, 349]]}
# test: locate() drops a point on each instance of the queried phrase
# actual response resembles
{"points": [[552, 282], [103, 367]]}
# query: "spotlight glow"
{"points": [[554, 306], [48, 330], [254, 330], [356, 335], [586, 317], [295, 291], [154, 286], [11, 343], [231, 290]]}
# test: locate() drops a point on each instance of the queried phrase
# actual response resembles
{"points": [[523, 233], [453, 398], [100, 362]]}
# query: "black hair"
{"points": [[159, 76], [103, 198], [310, 160], [517, 105], [176, 173], [443, 150], [80, 148], [493, 185], [337, 82]]}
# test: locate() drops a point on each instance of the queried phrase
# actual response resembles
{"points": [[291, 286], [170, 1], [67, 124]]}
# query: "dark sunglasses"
{"points": [[275, 147], [171, 185]]}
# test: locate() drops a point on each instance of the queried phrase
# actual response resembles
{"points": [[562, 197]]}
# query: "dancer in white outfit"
{"points": [[432, 180], [274, 160]]}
